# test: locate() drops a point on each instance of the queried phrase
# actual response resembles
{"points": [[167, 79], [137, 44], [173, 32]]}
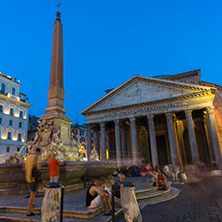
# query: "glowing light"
{"points": [[107, 154], [23, 140], [16, 115], [4, 137], [14, 139], [6, 112]]}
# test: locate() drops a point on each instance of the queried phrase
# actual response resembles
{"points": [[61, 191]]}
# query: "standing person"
{"points": [[166, 170], [54, 169], [95, 195], [32, 160], [149, 171]]}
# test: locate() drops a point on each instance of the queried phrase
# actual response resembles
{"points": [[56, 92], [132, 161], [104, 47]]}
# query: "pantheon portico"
{"points": [[173, 119]]}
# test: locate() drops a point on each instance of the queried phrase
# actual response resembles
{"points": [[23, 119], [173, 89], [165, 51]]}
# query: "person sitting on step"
{"points": [[95, 195], [161, 179], [107, 186]]}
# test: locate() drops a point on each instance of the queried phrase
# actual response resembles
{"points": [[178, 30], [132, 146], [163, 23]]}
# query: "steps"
{"points": [[152, 196], [144, 197]]}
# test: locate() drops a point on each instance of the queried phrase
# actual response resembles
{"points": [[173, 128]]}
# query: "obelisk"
{"points": [[55, 111]]}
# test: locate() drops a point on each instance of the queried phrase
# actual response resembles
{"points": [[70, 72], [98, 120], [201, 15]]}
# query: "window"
{"points": [[1, 109], [19, 137], [0, 121], [11, 111], [3, 88], [82, 133], [9, 136], [10, 123], [18, 149], [21, 114], [8, 149], [13, 91], [82, 139], [20, 124]]}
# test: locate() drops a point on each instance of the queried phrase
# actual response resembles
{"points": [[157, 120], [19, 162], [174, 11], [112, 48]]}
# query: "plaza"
{"points": [[199, 203], [173, 119]]}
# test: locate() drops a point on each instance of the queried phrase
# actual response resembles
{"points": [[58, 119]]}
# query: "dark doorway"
{"points": [[162, 149]]}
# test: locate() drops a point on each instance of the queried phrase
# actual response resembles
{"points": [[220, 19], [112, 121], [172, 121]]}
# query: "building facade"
{"points": [[32, 127], [14, 108], [79, 134], [171, 119]]}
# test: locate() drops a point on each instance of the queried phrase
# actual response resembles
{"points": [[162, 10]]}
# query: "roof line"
{"points": [[149, 79]]}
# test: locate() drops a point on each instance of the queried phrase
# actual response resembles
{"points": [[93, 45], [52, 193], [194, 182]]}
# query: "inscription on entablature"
{"points": [[145, 109]]}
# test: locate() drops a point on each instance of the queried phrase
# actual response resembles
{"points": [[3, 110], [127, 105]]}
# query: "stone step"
{"points": [[152, 196], [19, 217], [171, 195], [149, 197], [142, 192]]}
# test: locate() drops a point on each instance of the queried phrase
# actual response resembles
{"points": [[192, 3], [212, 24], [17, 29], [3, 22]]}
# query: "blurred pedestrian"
{"points": [[54, 168], [149, 171], [32, 161]]}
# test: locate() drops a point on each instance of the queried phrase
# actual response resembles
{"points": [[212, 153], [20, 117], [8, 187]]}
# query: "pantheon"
{"points": [[173, 119]]}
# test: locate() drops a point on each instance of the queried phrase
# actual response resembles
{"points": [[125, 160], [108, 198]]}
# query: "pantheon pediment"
{"points": [[142, 90]]}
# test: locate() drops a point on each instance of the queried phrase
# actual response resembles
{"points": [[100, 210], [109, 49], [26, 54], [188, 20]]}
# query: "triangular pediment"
{"points": [[142, 90]]}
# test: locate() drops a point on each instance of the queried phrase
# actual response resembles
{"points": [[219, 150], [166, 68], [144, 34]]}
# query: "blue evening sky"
{"points": [[105, 43]]}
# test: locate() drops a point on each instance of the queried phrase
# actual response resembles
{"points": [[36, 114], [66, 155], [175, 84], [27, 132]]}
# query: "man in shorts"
{"points": [[95, 195], [32, 160]]}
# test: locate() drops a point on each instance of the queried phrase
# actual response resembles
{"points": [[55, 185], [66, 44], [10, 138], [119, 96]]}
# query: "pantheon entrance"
{"points": [[164, 121]]}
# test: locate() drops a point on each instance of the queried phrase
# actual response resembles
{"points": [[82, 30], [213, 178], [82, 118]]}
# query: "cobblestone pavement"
{"points": [[201, 202]]}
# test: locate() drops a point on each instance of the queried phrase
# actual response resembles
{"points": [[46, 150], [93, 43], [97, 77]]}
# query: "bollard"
{"points": [[129, 202], [50, 202], [113, 203], [61, 204]]}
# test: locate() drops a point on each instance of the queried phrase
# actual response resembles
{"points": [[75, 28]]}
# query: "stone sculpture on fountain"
{"points": [[48, 139]]}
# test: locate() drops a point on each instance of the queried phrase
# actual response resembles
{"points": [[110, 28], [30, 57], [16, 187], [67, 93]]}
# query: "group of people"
{"points": [[97, 193], [33, 161]]}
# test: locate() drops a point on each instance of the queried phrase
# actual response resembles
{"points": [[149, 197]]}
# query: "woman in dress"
{"points": [[161, 179]]}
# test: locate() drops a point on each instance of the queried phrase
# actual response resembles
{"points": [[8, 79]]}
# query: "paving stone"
{"points": [[198, 203]]}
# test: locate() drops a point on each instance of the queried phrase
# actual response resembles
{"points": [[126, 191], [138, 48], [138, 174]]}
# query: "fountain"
{"points": [[54, 135]]}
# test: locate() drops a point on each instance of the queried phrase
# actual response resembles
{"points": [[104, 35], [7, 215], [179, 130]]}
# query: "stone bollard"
{"points": [[51, 202], [129, 202]]}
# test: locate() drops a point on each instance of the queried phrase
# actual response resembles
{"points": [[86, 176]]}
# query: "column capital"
{"points": [[117, 121], [188, 113], [169, 116], [132, 120], [102, 124], [209, 109], [150, 117]]}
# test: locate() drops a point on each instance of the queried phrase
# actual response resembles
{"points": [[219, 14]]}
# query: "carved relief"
{"points": [[48, 139]]}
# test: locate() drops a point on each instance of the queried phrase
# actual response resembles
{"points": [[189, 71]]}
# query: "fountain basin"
{"points": [[73, 175]]}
